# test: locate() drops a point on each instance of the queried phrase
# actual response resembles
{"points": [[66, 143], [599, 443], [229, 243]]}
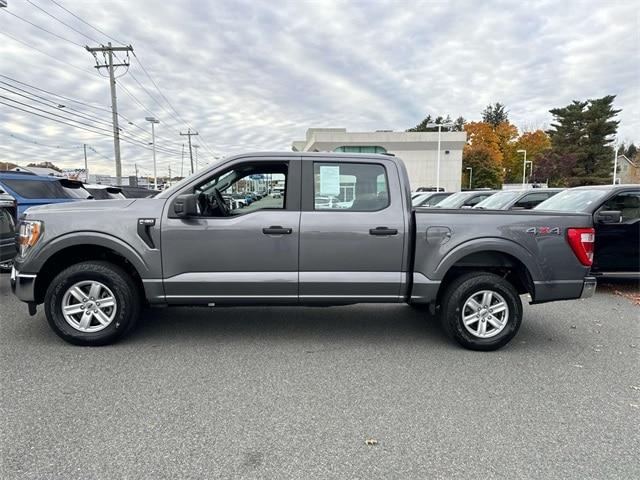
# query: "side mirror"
{"points": [[185, 206], [608, 216]]}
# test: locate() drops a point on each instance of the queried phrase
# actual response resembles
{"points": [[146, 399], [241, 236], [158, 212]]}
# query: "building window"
{"points": [[360, 149]]}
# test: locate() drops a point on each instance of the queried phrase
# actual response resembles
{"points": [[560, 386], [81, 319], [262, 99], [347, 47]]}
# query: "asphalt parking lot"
{"points": [[295, 393]]}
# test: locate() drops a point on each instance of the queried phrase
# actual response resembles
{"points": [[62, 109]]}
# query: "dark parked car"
{"points": [[136, 192], [465, 199], [8, 246], [33, 190], [517, 199], [429, 199], [104, 192], [616, 218]]}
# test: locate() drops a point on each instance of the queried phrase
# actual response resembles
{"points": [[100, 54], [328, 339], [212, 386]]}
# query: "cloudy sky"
{"points": [[254, 75]]}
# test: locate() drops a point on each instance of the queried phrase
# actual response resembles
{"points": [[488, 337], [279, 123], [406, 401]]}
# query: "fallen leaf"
{"points": [[635, 388], [573, 326], [634, 405], [577, 365], [371, 441]]}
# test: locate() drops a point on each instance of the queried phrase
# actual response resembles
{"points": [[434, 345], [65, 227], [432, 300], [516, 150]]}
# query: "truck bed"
{"points": [[533, 242]]}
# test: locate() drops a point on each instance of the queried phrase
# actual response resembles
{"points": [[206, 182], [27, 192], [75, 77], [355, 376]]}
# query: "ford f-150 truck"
{"points": [[95, 265]]}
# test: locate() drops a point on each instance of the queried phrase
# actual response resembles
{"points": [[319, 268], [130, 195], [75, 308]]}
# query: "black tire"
{"points": [[125, 292], [463, 288]]}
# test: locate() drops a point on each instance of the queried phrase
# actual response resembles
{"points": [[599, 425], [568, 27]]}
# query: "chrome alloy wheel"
{"points": [[485, 314], [89, 306]]}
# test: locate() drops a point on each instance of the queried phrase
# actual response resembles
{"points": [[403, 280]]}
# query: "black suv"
{"points": [[8, 248], [616, 218]]}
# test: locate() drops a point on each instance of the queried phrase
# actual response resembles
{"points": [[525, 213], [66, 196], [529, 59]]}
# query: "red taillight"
{"points": [[581, 241]]}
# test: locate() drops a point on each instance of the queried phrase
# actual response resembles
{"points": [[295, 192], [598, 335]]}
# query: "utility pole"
{"points": [[196, 147], [114, 102], [86, 168], [182, 163], [135, 165], [169, 182], [189, 134]]}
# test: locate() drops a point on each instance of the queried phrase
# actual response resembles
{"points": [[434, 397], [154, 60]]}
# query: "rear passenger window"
{"points": [[350, 186], [476, 200], [37, 188], [531, 200]]}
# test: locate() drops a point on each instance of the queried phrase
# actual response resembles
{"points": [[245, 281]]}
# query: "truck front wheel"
{"points": [[481, 311], [92, 303]]}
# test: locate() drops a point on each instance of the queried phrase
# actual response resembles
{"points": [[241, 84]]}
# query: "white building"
{"points": [[47, 172], [418, 150]]}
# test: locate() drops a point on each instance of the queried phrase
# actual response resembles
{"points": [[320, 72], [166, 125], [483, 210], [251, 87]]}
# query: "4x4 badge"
{"points": [[544, 230]]}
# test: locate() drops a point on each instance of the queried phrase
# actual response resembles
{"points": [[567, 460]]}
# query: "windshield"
{"points": [[41, 189], [454, 201], [498, 200], [579, 200]]}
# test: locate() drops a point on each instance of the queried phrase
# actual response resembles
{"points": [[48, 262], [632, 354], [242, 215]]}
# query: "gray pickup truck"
{"points": [[343, 232]]}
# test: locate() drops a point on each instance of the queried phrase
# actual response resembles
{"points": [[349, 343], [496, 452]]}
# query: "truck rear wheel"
{"points": [[92, 303], [481, 311]]}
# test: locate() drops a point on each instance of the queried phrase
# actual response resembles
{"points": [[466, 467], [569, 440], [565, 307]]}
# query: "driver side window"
{"points": [[244, 189], [628, 203]]}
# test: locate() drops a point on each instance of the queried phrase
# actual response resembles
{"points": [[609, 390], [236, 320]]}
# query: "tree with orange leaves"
{"points": [[482, 153]]}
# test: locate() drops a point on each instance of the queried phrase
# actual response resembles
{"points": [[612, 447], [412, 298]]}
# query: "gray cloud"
{"points": [[254, 75]]}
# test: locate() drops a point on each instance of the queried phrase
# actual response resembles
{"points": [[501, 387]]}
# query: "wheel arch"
{"points": [[503, 262], [69, 250]]}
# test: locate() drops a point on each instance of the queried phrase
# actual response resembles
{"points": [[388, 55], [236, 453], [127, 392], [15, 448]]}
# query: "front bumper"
{"points": [[23, 285], [589, 287]]}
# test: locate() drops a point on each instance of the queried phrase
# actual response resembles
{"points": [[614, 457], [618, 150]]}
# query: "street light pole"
{"points": [[439, 125], [524, 166], [615, 163], [470, 176], [153, 121]]}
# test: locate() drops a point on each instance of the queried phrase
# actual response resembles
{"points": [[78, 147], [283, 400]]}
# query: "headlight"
{"points": [[30, 233]]}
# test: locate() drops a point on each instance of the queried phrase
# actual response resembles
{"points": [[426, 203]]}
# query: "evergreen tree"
{"points": [[631, 152], [495, 114], [584, 130], [458, 125]]}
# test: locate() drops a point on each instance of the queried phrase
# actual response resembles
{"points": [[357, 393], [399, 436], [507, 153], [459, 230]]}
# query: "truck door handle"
{"points": [[383, 231], [276, 230]]}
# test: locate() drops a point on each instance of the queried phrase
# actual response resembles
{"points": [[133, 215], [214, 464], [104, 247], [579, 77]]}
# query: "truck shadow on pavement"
{"points": [[367, 322], [322, 328]]}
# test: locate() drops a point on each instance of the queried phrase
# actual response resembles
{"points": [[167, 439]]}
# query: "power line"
{"points": [[53, 114], [175, 115], [82, 126], [87, 23], [63, 23], [88, 72], [44, 29], [22, 139], [69, 109], [68, 99]]}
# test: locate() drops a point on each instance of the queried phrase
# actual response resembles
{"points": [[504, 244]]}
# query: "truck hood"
{"points": [[84, 206]]}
